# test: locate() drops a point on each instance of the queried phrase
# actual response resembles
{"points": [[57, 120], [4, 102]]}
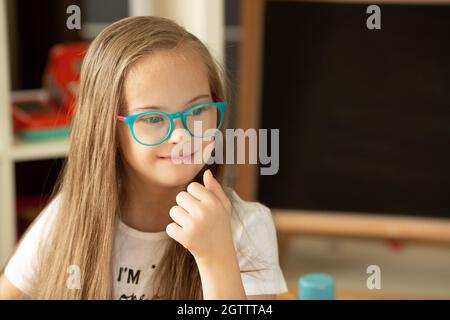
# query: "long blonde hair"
{"points": [[90, 187]]}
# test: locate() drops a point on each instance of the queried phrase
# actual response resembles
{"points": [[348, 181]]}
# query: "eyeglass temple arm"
{"points": [[120, 118]]}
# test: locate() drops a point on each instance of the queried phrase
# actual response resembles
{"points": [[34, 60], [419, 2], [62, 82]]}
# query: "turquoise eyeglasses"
{"points": [[152, 128]]}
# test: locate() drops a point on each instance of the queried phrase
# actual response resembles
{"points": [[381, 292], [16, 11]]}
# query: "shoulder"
{"points": [[249, 211], [40, 228], [256, 244], [252, 225], [22, 268]]}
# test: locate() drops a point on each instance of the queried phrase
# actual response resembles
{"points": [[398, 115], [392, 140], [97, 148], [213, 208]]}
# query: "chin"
{"points": [[177, 175]]}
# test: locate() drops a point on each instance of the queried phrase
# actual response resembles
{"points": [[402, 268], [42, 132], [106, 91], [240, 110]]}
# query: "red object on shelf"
{"points": [[52, 108], [37, 114], [62, 74]]}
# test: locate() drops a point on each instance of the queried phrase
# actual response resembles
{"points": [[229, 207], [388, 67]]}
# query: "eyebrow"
{"points": [[160, 107]]}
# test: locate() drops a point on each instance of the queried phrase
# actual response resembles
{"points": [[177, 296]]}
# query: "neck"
{"points": [[146, 206]]}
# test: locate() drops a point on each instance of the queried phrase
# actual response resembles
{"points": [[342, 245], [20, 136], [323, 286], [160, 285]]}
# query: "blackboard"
{"points": [[364, 115]]}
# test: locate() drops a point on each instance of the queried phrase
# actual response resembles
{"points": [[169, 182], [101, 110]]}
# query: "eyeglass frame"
{"points": [[130, 120]]}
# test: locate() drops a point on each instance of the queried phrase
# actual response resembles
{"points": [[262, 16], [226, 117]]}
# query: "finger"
{"points": [[180, 216], [188, 202], [175, 232], [214, 186], [200, 192]]}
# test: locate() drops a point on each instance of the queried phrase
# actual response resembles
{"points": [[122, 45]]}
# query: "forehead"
{"points": [[166, 77]]}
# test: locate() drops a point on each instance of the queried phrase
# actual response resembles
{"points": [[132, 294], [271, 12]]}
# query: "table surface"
{"points": [[292, 294]]}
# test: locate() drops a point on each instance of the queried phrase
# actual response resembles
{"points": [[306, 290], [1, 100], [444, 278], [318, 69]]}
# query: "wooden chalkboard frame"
{"points": [[291, 222]]}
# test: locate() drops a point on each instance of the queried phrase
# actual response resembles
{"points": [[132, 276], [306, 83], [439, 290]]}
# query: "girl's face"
{"points": [[169, 81]]}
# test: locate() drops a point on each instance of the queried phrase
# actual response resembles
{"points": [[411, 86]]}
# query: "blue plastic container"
{"points": [[317, 286]]}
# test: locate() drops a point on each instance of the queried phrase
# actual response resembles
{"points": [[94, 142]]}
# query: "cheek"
{"points": [[135, 154]]}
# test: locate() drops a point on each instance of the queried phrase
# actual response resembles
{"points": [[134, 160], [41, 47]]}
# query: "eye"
{"points": [[198, 111], [152, 119]]}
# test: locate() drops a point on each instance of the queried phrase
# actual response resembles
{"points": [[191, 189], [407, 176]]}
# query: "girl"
{"points": [[126, 220]]}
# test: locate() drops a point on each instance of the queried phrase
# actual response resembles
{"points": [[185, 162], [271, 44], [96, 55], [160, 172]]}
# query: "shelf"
{"points": [[375, 226], [29, 151]]}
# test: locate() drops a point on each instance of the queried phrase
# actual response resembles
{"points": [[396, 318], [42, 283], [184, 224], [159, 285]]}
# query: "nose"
{"points": [[179, 132]]}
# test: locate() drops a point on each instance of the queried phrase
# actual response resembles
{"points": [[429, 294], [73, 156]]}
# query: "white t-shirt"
{"points": [[137, 254]]}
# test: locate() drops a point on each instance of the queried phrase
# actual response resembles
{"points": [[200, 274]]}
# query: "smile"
{"points": [[179, 158]]}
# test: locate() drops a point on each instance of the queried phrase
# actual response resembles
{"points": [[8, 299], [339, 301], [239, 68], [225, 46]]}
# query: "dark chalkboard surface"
{"points": [[364, 115]]}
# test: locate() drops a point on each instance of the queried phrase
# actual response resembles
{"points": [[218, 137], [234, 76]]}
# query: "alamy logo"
{"points": [[235, 148], [374, 280], [374, 20], [73, 281], [74, 20]]}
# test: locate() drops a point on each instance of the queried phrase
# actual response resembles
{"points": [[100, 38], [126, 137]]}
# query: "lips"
{"points": [[178, 158]]}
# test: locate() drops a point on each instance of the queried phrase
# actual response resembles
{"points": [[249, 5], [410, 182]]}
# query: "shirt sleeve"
{"points": [[22, 268], [257, 248]]}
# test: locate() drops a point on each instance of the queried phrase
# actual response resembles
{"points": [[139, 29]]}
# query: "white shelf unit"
{"points": [[14, 149], [7, 218]]}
